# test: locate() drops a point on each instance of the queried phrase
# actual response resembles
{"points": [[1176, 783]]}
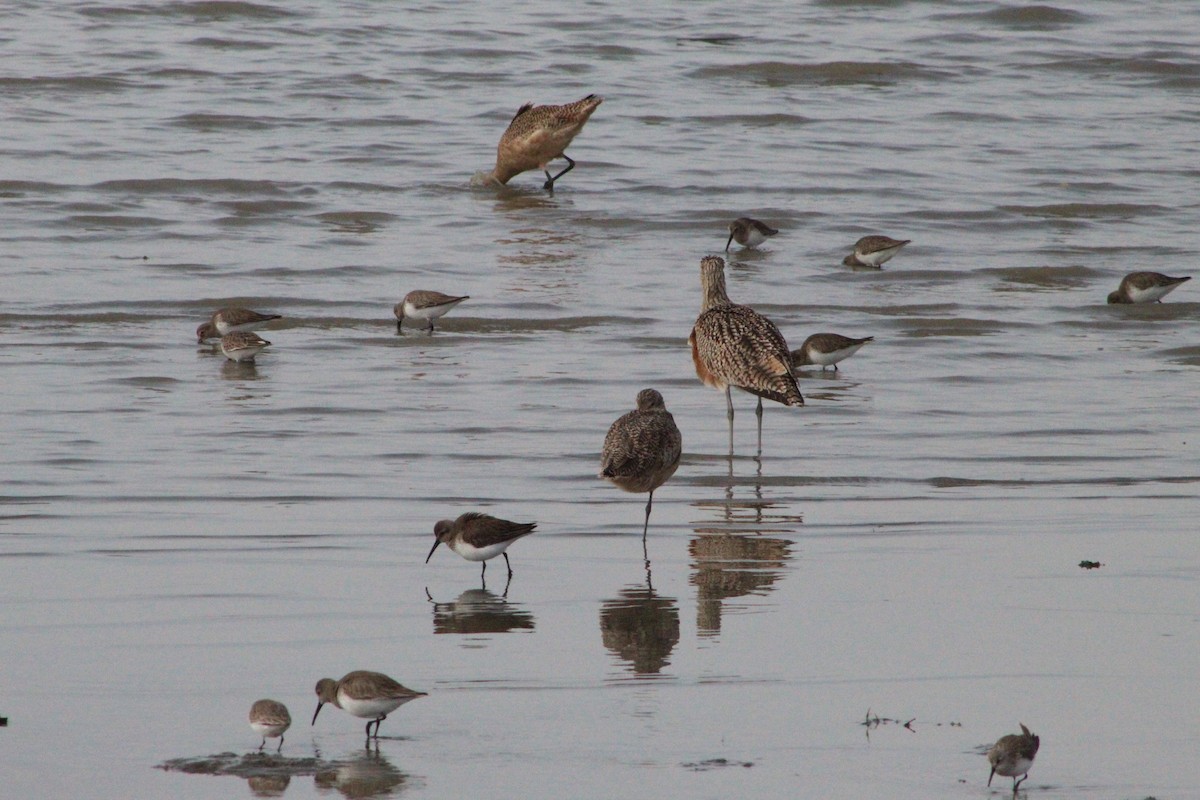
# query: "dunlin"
{"points": [[872, 251], [539, 134], [827, 348], [367, 695], [228, 320], [1145, 287], [426, 305], [1013, 755], [749, 233], [641, 451], [242, 345], [479, 537], [734, 345], [270, 718]]}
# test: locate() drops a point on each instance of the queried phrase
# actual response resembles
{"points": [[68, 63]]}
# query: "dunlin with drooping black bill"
{"points": [[366, 695]]}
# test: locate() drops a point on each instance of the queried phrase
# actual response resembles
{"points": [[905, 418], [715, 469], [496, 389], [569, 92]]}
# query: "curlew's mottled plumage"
{"points": [[270, 718], [749, 233], [242, 345], [872, 251], [228, 320], [426, 305], [366, 695], [642, 449], [1145, 287], [1013, 755], [827, 348], [539, 134], [734, 345], [479, 537]]}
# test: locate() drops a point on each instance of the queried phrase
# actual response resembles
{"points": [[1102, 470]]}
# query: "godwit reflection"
{"points": [[640, 628]]}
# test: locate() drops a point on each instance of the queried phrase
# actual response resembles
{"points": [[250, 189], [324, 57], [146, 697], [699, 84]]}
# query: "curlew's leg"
{"points": [[507, 564], [549, 184], [729, 416], [758, 413]]}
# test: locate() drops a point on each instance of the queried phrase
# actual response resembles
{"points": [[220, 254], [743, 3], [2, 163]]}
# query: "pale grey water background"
{"points": [[181, 537]]}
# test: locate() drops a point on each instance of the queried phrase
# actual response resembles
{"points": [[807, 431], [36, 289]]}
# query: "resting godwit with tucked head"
{"points": [[826, 349], [539, 134], [749, 233], [367, 695], [1145, 287], [426, 305], [1013, 755], [479, 537], [734, 345], [270, 718], [228, 320], [642, 448], [872, 251]]}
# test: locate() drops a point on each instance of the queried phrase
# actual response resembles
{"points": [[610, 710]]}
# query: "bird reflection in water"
{"points": [[728, 566], [479, 611], [268, 785], [369, 775], [640, 627]]}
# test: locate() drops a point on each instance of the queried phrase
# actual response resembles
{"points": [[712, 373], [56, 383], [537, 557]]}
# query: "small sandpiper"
{"points": [[1145, 287], [749, 233], [227, 320], [1013, 755], [367, 695], [242, 346], [827, 348], [872, 251], [479, 537], [539, 134], [269, 719], [642, 448], [426, 305]]}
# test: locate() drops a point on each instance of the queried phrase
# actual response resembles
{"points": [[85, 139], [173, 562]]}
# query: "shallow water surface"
{"points": [[859, 610]]}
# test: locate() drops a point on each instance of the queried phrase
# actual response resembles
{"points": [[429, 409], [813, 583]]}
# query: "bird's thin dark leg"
{"points": [[507, 564], [280, 748], [758, 413], [1017, 783], [729, 416], [399, 326], [549, 184], [649, 503], [835, 369], [431, 325], [264, 744]]}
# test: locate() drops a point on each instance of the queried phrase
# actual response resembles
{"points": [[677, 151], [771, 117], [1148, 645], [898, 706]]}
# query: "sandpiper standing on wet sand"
{"points": [[479, 537], [749, 233], [269, 719], [1145, 287], [366, 695], [426, 305], [734, 345], [872, 251], [1013, 755], [827, 348], [242, 346], [642, 448], [539, 134], [228, 320]]}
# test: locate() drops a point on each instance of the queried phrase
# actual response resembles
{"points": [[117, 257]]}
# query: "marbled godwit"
{"points": [[479, 537], [1145, 287], [367, 695], [749, 233], [734, 345], [1013, 755], [242, 345], [539, 134], [872, 251], [827, 348], [269, 719], [426, 305], [642, 448], [228, 320]]}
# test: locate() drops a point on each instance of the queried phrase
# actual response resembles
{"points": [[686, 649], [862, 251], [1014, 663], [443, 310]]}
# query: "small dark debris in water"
{"points": [[873, 721], [715, 763], [717, 38], [1090, 564], [3, 722]]}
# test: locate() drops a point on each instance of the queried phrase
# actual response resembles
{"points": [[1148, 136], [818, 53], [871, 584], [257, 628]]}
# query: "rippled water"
{"points": [[181, 536]]}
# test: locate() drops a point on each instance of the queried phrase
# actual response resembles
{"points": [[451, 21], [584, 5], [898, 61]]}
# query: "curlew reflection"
{"points": [[641, 628], [368, 775], [479, 611], [728, 566]]}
